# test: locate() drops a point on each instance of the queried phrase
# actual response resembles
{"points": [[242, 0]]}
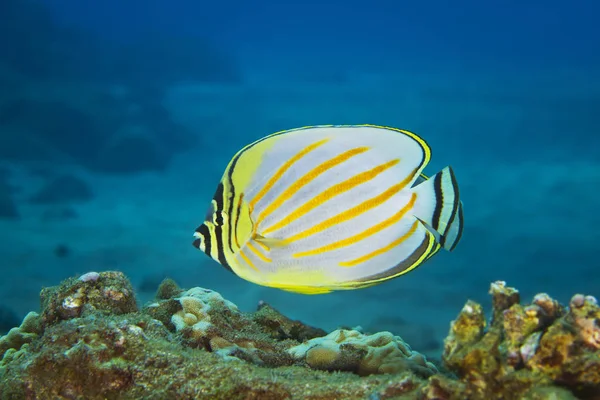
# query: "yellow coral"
{"points": [[218, 343], [322, 357], [190, 319]]}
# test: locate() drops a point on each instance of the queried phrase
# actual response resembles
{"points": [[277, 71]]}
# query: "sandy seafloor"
{"points": [[519, 146]]}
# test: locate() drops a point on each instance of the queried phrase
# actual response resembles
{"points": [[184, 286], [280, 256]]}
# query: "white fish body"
{"points": [[325, 208]]}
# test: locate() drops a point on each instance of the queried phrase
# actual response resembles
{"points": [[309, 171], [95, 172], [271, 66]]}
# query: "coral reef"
{"points": [[526, 350], [350, 350], [17, 339], [107, 293], [91, 341]]}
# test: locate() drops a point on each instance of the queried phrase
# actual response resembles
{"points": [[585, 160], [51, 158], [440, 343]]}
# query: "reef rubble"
{"points": [[91, 340]]}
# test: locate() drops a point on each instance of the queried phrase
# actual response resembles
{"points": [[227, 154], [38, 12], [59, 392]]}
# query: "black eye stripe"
{"points": [[218, 199], [218, 222], [205, 232]]}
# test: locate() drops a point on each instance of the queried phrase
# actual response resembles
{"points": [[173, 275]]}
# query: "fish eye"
{"points": [[219, 218]]}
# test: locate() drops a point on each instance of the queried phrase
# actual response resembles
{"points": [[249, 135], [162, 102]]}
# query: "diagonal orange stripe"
{"points": [[248, 261], [364, 234], [381, 250], [354, 211], [328, 194], [264, 246], [258, 253], [307, 178], [287, 165]]}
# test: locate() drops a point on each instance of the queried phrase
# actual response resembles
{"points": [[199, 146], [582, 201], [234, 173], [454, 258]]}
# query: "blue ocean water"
{"points": [[118, 118]]}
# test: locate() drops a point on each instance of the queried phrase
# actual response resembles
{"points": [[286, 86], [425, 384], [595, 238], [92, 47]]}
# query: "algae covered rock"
{"points": [[17, 338], [193, 344], [109, 292], [280, 327], [527, 350], [206, 320], [90, 341]]}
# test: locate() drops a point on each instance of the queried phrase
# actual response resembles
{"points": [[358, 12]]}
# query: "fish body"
{"points": [[323, 208]]}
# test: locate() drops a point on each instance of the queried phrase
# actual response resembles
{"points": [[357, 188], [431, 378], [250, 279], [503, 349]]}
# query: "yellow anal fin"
{"points": [[307, 290], [299, 281]]}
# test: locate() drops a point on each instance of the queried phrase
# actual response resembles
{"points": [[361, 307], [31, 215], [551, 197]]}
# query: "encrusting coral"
{"points": [[350, 350], [91, 341], [527, 350]]}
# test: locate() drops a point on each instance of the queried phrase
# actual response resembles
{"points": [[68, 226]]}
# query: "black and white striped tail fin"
{"points": [[439, 207]]}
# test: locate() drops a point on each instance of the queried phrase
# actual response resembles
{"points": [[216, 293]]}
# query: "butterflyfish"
{"points": [[334, 207]]}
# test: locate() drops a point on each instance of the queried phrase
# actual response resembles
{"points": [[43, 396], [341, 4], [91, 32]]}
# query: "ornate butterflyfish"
{"points": [[323, 208]]}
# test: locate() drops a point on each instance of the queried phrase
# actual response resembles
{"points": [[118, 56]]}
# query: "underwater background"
{"points": [[118, 118]]}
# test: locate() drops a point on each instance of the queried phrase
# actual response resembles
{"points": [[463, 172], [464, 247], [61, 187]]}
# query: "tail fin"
{"points": [[439, 207]]}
